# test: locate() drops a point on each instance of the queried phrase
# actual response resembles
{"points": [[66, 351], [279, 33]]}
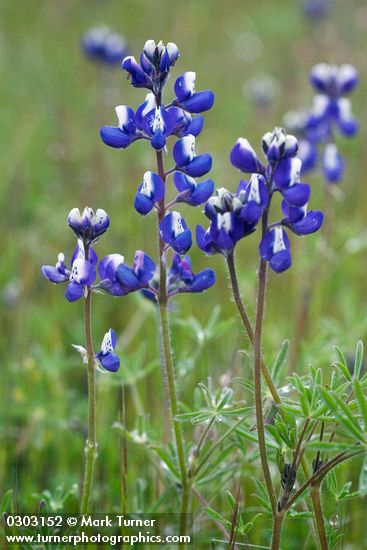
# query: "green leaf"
{"points": [[194, 417], [361, 400], [347, 419], [342, 363], [329, 446], [225, 398], [217, 517], [168, 460], [207, 395], [249, 525], [6, 501], [280, 360], [358, 362]]}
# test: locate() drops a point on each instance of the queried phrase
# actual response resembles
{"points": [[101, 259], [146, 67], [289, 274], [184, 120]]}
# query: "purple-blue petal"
{"points": [[114, 137], [199, 166]]}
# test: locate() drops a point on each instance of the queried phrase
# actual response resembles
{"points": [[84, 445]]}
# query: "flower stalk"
{"points": [[91, 448]]}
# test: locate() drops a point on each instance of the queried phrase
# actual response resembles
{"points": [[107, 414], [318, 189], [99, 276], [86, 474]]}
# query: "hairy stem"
{"points": [[267, 376], [257, 381], [91, 443], [319, 516], [167, 359], [247, 324], [277, 530]]}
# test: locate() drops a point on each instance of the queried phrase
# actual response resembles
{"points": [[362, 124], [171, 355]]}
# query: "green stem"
{"points": [[247, 324], [319, 516], [267, 376], [91, 443], [277, 531], [167, 360], [262, 275]]}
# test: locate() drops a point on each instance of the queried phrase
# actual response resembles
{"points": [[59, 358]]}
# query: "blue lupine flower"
{"points": [[81, 275], [188, 99], [245, 159], [155, 124], [316, 9], [190, 191], [255, 197], [287, 181], [107, 357], [150, 192], [332, 163], [89, 226], [138, 276], [301, 221], [125, 133], [174, 232], [104, 45], [275, 249], [155, 64], [118, 279], [186, 159], [228, 221], [278, 145], [332, 80], [107, 270], [181, 278]]}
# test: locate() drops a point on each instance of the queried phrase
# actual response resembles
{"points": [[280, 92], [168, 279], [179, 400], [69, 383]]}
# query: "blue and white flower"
{"points": [[188, 99], [89, 226], [107, 357], [186, 159], [104, 45], [150, 192], [191, 191], [175, 233], [275, 249], [81, 275]]}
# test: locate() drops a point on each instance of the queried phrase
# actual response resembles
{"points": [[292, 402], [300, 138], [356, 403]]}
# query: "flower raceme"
{"points": [[153, 120], [331, 112], [103, 45], [235, 215]]}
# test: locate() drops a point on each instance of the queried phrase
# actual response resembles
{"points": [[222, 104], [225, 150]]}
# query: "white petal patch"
{"points": [[150, 104], [245, 144], [295, 175], [177, 226], [320, 104], [79, 270], [100, 217], [60, 259], [149, 47], [331, 160], [107, 346], [189, 81], [74, 216], [279, 244], [147, 186], [158, 121], [188, 147], [122, 113], [254, 193], [224, 222]]}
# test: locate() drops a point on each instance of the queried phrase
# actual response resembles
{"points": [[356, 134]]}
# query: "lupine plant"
{"points": [[305, 428], [155, 122]]}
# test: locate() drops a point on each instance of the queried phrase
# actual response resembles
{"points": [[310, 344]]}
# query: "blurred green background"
{"points": [[53, 102]]}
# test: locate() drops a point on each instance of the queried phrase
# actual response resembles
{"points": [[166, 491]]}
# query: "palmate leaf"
{"points": [[343, 414]]}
